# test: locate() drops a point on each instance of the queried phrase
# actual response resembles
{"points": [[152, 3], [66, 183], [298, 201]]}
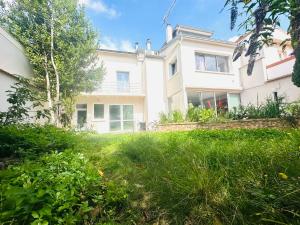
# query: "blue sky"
{"points": [[121, 23]]}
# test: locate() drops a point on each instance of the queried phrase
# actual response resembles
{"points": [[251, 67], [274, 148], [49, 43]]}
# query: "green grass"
{"points": [[205, 177], [200, 177]]}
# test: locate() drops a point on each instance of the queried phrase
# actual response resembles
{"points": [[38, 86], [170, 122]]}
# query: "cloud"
{"points": [[112, 44], [100, 7]]}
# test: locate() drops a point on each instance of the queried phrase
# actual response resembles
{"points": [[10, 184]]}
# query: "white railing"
{"points": [[120, 88], [281, 68]]}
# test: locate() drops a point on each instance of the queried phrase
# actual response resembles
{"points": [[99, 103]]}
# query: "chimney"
{"points": [[136, 46], [169, 33], [148, 45]]}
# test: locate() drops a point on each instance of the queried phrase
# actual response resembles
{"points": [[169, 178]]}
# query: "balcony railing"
{"points": [[281, 68], [119, 88]]}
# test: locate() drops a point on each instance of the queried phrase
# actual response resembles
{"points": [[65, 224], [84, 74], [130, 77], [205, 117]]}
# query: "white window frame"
{"points": [[170, 67], [118, 82], [98, 119], [216, 61], [121, 117], [82, 110]]}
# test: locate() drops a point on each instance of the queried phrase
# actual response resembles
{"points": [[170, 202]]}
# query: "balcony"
{"points": [[280, 69], [119, 89]]}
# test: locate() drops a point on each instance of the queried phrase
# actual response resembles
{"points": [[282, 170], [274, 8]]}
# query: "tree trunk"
{"points": [[57, 97], [48, 88]]}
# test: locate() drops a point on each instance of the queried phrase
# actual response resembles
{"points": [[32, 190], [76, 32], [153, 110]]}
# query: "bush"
{"points": [[196, 114], [269, 109], [174, 117], [61, 188], [33, 140]]}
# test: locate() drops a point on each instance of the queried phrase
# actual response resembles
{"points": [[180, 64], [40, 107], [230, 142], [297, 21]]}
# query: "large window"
{"points": [[121, 117], [209, 100], [211, 63], [123, 81], [98, 111]]}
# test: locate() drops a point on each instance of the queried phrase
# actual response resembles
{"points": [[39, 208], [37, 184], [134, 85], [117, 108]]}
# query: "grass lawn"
{"points": [[198, 177]]}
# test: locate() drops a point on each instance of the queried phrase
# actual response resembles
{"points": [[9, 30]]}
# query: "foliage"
{"points": [[173, 117], [269, 109], [208, 177], [22, 100], [61, 188], [28, 141], [196, 114], [61, 46], [261, 19]]}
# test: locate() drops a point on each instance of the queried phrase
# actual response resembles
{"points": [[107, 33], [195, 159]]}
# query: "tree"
{"points": [[262, 17], [61, 46]]}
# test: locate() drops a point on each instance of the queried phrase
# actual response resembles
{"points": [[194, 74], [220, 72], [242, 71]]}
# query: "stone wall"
{"points": [[235, 124]]}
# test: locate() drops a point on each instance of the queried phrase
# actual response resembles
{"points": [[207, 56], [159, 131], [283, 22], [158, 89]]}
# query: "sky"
{"points": [[121, 23]]}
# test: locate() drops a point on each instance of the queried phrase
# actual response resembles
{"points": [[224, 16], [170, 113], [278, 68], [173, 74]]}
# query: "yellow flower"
{"points": [[283, 176], [101, 173]]}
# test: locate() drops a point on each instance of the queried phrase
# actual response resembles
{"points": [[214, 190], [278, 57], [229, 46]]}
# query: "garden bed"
{"points": [[230, 124]]}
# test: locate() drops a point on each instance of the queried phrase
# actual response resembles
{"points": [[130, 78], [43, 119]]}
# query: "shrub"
{"points": [[33, 140], [196, 114], [177, 116], [61, 188], [269, 109], [174, 117]]}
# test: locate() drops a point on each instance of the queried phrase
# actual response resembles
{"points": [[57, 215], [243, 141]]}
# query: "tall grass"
{"points": [[211, 177]]}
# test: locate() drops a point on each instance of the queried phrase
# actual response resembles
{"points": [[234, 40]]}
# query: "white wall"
{"points": [[211, 80], [12, 61], [115, 62], [102, 126], [155, 101], [283, 86]]}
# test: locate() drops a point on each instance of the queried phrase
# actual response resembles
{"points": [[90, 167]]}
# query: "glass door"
{"points": [[81, 115]]}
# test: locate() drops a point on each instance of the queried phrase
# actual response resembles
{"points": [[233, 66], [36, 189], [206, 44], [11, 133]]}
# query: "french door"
{"points": [[121, 118]]}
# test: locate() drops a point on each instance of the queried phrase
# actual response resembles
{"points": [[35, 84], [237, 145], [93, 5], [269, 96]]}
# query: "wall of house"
{"points": [[120, 62], [284, 87], [155, 100], [12, 62], [102, 126], [210, 80]]}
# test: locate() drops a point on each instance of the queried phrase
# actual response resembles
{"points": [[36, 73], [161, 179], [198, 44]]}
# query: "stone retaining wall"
{"points": [[235, 124]]}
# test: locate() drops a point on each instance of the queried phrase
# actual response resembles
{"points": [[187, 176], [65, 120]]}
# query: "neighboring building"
{"points": [[12, 63], [191, 68], [272, 72]]}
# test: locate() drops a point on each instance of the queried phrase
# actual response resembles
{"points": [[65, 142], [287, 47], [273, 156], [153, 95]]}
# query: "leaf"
{"points": [[35, 214]]}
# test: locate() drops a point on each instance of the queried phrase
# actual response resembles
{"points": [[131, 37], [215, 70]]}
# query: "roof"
{"points": [[193, 30]]}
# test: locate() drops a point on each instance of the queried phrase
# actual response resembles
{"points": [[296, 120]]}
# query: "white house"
{"points": [[191, 67], [271, 73], [13, 62]]}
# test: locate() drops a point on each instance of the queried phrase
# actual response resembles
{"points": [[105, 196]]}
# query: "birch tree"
{"points": [[61, 46]]}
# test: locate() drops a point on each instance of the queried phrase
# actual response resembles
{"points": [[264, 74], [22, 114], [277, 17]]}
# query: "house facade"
{"points": [[271, 77], [190, 68], [13, 63]]}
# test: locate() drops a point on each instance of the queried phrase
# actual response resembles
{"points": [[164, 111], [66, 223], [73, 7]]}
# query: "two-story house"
{"points": [[190, 68]]}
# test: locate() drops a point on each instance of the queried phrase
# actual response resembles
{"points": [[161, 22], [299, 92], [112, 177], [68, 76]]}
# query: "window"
{"points": [[173, 68], [209, 100], [81, 115], [121, 117], [222, 102], [98, 111], [123, 81], [211, 63]]}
